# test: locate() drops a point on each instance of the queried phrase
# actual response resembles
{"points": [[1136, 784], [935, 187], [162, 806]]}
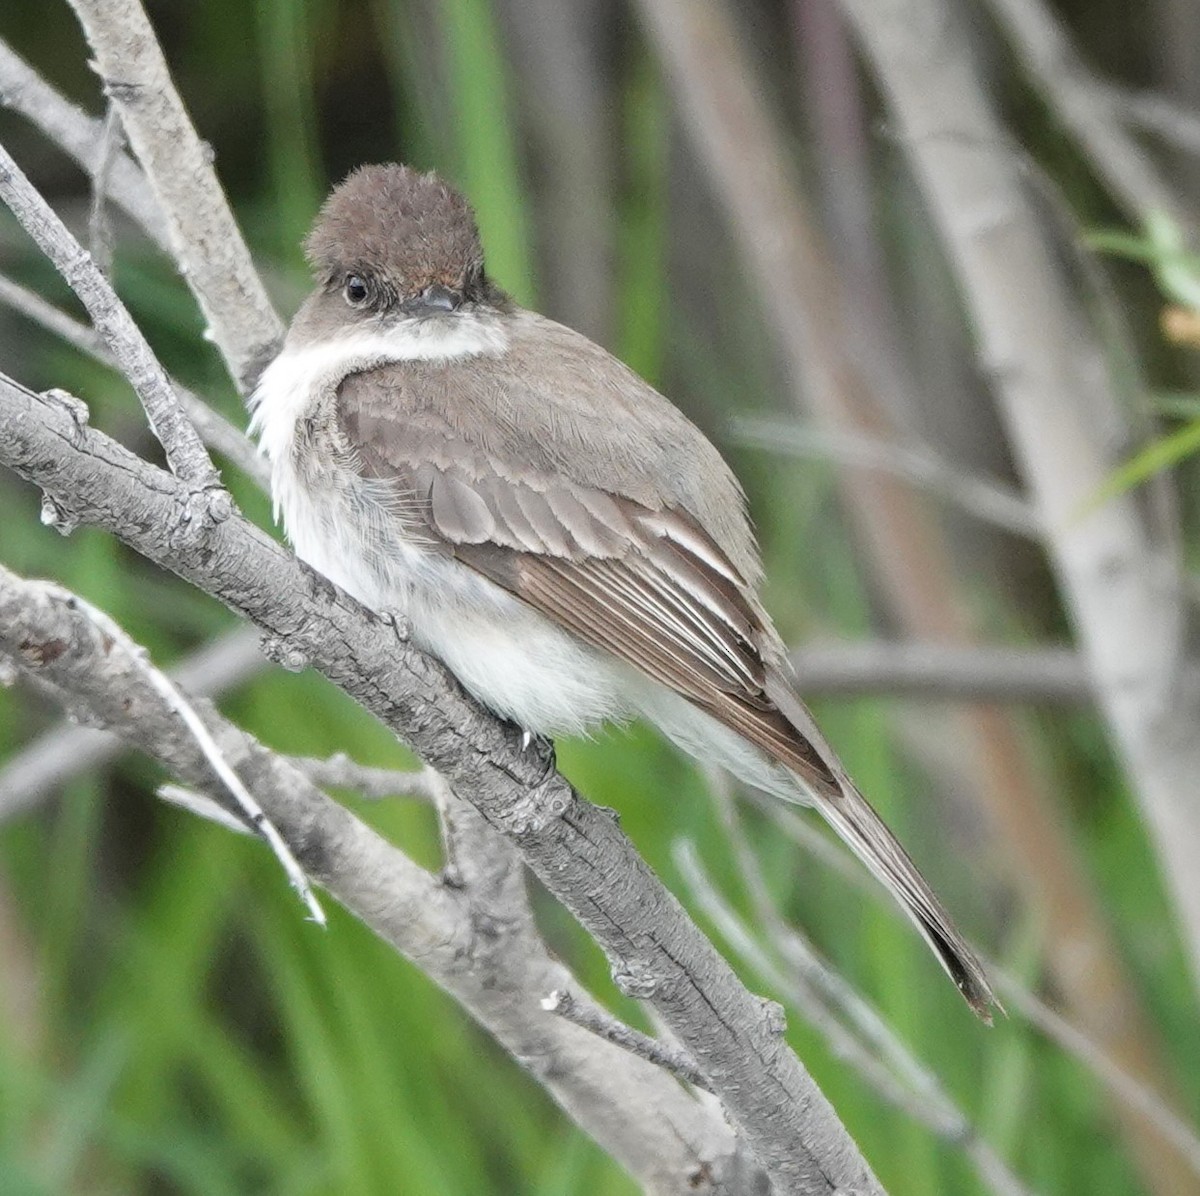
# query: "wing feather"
{"points": [[582, 539], [650, 586], [459, 511]]}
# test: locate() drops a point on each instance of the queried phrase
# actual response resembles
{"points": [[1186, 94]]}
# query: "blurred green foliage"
{"points": [[175, 1024]]}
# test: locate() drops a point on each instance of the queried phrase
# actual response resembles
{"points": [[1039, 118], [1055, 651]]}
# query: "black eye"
{"points": [[356, 290]]}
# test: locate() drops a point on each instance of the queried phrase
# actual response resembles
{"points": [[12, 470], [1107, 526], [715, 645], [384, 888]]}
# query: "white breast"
{"points": [[294, 381], [510, 657]]}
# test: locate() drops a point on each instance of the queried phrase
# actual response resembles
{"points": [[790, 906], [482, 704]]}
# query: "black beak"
{"points": [[438, 298]]}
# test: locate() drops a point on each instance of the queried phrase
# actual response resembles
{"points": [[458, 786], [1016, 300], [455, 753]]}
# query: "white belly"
{"points": [[503, 652], [507, 655]]}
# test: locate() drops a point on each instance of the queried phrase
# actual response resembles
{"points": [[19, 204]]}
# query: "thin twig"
{"points": [[919, 464], [182, 445], [604, 1025], [1130, 1091], [1085, 106], [576, 850], [99, 231], [875, 667], [76, 133], [1157, 114], [183, 709], [1085, 1050], [941, 672], [796, 989], [46, 765], [203, 806], [42, 312], [214, 429], [204, 236], [340, 772]]}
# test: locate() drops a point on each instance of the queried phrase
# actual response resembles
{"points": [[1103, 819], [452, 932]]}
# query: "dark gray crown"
{"points": [[407, 229]]}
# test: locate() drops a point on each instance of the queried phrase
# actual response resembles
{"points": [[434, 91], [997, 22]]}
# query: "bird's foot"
{"points": [[543, 748]]}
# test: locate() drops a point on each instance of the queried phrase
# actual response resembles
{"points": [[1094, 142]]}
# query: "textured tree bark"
{"points": [[203, 234], [576, 849], [475, 937]]}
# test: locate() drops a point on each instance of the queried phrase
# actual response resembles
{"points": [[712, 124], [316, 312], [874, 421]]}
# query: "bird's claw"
{"points": [[545, 747]]}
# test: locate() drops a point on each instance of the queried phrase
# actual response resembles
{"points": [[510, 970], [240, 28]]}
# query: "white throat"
{"points": [[301, 372]]}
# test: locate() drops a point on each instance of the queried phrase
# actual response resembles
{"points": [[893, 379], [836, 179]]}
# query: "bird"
{"points": [[553, 529]]}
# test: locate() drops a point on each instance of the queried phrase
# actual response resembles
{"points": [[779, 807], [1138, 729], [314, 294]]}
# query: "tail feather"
{"points": [[777, 747], [851, 815]]}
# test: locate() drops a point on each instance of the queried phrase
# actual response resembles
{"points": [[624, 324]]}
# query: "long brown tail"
{"points": [[797, 743], [851, 815]]}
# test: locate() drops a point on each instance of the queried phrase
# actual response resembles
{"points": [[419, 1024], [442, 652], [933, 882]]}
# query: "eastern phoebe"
{"points": [[556, 532]]}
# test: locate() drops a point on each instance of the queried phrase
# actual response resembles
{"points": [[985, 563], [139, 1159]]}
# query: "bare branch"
{"points": [[46, 765], [81, 136], [204, 236], [575, 849], [941, 672], [213, 428], [478, 942], [1135, 1095], [203, 806], [340, 772], [42, 312], [919, 464], [1064, 420], [1158, 114], [183, 446], [112, 638], [600, 1022], [99, 231], [1086, 107]]}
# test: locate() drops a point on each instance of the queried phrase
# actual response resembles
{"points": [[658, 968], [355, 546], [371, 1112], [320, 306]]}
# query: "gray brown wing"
{"points": [[648, 586], [652, 588]]}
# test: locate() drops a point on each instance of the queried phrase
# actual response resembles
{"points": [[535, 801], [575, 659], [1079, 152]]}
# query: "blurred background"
{"points": [[168, 1020]]}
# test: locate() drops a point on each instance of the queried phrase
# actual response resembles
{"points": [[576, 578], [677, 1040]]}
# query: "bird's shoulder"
{"points": [[553, 405]]}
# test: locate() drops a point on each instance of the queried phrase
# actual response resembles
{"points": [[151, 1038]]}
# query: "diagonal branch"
{"points": [[477, 940], [204, 236], [79, 135], [575, 849], [44, 766], [1090, 110], [182, 445], [917, 463], [115, 641], [1158, 114], [563, 1003], [213, 428]]}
